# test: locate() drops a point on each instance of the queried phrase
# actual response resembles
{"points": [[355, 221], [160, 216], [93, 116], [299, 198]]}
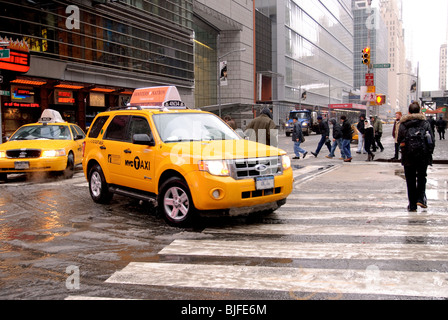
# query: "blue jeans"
{"points": [[346, 148], [337, 142], [297, 149]]}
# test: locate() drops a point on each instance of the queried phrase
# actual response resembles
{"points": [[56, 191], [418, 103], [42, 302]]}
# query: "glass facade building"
{"points": [[312, 50], [80, 46]]}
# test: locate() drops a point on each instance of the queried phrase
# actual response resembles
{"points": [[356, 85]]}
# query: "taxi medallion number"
{"points": [[262, 183]]}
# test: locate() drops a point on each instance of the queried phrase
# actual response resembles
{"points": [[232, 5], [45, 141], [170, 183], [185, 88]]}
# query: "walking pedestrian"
{"points": [[378, 131], [325, 133], [346, 138], [417, 143], [230, 122], [441, 126], [298, 138], [369, 139], [361, 132], [261, 127], [432, 122], [398, 116], [337, 140]]}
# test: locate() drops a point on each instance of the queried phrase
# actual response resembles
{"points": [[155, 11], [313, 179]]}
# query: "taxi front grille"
{"points": [[256, 167], [23, 153]]}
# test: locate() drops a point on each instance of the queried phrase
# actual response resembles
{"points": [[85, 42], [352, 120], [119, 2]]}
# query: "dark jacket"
{"points": [[324, 129], [360, 126], [337, 130], [346, 130], [441, 125], [406, 122], [263, 122], [297, 132]]}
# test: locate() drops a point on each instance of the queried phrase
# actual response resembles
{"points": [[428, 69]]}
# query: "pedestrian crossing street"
{"points": [[357, 245]]}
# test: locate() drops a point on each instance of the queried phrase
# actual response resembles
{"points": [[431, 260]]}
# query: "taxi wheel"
{"points": [[70, 169], [175, 202], [3, 177], [98, 187]]}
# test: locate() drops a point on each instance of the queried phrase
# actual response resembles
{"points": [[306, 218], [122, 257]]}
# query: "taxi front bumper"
{"points": [[14, 165], [225, 193]]}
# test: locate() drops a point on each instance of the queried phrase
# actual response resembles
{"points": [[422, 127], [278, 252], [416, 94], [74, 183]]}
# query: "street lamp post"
{"points": [[218, 76], [416, 84]]}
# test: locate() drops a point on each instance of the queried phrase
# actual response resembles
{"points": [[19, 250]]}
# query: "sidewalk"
{"points": [[376, 177]]}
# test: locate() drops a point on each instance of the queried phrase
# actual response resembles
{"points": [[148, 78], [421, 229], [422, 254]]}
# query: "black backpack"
{"points": [[416, 142]]}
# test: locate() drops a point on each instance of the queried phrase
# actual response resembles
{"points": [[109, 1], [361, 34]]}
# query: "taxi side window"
{"points": [[138, 125], [97, 126], [76, 131], [117, 128], [79, 131]]}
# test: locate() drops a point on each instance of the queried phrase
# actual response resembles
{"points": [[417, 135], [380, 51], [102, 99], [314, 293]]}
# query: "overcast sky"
{"points": [[425, 24]]}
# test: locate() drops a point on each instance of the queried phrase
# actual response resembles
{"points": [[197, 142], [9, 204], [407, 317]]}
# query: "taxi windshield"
{"points": [[41, 132], [179, 127]]}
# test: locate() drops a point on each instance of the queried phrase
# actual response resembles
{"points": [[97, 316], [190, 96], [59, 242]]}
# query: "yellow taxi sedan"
{"points": [[48, 145]]}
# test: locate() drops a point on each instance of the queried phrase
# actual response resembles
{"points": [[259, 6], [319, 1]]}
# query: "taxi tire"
{"points": [[3, 177], [172, 190], [98, 187], [70, 169]]}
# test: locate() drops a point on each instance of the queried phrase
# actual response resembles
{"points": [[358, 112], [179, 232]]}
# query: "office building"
{"points": [[312, 50]]}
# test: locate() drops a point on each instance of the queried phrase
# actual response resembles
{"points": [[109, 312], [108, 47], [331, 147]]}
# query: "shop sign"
{"points": [[97, 99], [21, 105], [64, 97], [19, 56], [22, 94]]}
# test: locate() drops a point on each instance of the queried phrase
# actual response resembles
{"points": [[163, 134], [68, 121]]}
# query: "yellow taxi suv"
{"points": [[48, 145], [189, 162]]}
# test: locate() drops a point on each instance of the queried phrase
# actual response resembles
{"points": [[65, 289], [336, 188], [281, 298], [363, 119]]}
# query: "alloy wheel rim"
{"points": [[95, 184], [176, 203]]}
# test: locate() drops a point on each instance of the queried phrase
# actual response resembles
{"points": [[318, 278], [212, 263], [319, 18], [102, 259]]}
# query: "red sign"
{"points": [[21, 105], [63, 97], [19, 56], [18, 61], [369, 80]]}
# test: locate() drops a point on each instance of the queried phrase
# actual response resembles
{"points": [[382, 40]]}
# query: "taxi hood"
{"points": [[225, 149]]}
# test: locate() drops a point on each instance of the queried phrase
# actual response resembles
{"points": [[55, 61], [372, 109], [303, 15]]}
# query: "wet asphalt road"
{"points": [[51, 232]]}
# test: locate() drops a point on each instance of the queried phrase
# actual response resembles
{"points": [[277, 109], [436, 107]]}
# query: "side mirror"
{"points": [[79, 137], [143, 139]]}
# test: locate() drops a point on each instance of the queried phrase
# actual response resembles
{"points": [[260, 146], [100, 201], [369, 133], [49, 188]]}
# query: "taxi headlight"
{"points": [[214, 167], [286, 162], [2, 154], [53, 153]]}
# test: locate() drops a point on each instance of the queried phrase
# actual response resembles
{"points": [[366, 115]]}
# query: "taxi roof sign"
{"points": [[166, 96], [50, 115]]}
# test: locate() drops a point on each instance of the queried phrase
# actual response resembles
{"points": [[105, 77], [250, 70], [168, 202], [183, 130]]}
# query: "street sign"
{"points": [[370, 79], [367, 94], [4, 54], [382, 65]]}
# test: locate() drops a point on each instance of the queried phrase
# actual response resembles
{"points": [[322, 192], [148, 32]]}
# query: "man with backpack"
{"points": [[416, 141]]}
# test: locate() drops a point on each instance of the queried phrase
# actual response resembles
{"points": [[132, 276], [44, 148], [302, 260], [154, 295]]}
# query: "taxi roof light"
{"points": [[51, 116]]}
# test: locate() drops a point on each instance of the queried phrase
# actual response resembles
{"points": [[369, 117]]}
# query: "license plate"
{"points": [[262, 183], [21, 165]]}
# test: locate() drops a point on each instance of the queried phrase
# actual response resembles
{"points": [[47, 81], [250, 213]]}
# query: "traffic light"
{"points": [[366, 55], [380, 99]]}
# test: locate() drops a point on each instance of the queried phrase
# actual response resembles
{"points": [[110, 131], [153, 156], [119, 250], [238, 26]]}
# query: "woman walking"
{"points": [[369, 138]]}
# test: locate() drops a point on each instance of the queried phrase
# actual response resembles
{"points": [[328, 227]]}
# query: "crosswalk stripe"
{"points": [[292, 280], [405, 217], [333, 230], [307, 250]]}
